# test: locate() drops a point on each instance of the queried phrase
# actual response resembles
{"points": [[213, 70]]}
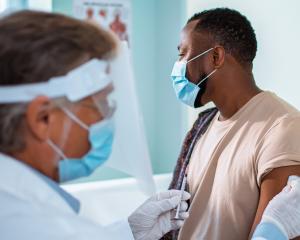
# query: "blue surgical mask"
{"points": [[185, 90], [101, 136]]}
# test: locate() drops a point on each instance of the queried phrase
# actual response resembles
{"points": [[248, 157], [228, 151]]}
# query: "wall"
{"points": [[62, 6], [170, 121]]}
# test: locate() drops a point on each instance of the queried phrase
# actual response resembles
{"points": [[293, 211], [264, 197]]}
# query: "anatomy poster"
{"points": [[110, 14]]}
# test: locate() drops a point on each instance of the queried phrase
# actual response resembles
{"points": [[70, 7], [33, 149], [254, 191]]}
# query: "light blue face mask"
{"points": [[185, 90], [101, 136]]}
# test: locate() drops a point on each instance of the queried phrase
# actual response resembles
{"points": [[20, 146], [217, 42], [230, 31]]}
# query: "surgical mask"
{"points": [[185, 90], [101, 136]]}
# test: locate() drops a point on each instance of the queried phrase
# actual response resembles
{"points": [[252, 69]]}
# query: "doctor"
{"points": [[56, 124]]}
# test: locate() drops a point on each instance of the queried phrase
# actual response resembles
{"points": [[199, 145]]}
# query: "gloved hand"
{"points": [[154, 218], [284, 209]]}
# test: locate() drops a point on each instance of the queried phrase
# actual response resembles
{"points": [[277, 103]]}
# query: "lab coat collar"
{"points": [[72, 201], [22, 181]]}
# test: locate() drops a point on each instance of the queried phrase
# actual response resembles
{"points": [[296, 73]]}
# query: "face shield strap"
{"points": [[79, 83]]}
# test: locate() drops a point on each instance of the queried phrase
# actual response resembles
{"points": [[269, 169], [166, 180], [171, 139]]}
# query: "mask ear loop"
{"points": [[66, 127], [56, 149], [66, 131], [201, 81], [199, 55]]}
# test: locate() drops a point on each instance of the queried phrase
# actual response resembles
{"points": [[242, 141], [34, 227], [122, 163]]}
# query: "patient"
{"points": [[239, 154]]}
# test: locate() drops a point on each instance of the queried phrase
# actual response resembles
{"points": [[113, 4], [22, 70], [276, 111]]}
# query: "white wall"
{"points": [[276, 24], [3, 5], [42, 5]]}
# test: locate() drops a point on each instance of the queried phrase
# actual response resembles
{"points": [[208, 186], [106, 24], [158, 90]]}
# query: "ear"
{"points": [[37, 117], [218, 56]]}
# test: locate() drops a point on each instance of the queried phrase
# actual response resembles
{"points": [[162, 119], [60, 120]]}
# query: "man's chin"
{"points": [[198, 101], [201, 98], [204, 100]]}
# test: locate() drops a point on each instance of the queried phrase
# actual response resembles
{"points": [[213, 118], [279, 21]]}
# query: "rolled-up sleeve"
{"points": [[280, 147]]}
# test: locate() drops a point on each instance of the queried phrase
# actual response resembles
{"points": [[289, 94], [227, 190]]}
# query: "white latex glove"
{"points": [[284, 209], [154, 218]]}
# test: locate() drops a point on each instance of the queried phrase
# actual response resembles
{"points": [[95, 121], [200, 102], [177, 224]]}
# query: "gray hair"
{"points": [[12, 124], [11, 130]]}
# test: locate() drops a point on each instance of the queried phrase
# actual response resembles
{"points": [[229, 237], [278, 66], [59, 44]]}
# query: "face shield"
{"points": [[105, 102], [130, 154]]}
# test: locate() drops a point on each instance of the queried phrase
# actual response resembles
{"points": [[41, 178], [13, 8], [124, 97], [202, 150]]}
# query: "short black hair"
{"points": [[230, 29]]}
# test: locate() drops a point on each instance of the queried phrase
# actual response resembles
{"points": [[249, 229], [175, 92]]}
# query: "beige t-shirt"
{"points": [[229, 161]]}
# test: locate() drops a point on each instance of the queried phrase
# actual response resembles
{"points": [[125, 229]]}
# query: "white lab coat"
{"points": [[31, 209]]}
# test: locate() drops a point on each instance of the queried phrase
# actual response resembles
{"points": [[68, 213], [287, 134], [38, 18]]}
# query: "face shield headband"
{"points": [[81, 82]]}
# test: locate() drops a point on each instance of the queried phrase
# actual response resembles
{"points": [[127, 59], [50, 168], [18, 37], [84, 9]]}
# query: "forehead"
{"points": [[189, 38]]}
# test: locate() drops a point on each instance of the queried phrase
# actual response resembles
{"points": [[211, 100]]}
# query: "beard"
{"points": [[202, 87]]}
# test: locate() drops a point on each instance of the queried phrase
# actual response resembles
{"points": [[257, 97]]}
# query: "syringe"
{"points": [[181, 195]]}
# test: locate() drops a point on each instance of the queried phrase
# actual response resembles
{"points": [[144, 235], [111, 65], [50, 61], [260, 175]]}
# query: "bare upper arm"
{"points": [[271, 185]]}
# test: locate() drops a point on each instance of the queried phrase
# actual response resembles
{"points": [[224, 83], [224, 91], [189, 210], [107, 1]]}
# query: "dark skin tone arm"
{"points": [[271, 185]]}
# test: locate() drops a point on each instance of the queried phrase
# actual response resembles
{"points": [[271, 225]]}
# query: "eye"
{"points": [[180, 56]]}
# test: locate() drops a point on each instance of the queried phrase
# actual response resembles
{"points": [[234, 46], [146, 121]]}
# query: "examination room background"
{"points": [[156, 25], [155, 32]]}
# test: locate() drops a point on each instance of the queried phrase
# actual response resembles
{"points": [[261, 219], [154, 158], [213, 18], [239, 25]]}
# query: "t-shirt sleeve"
{"points": [[280, 146]]}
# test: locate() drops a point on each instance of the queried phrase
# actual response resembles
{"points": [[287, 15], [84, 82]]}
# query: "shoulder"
{"points": [[277, 104], [286, 125], [23, 219]]}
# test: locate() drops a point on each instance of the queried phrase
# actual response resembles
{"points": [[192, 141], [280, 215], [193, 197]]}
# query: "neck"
{"points": [[238, 94], [39, 160]]}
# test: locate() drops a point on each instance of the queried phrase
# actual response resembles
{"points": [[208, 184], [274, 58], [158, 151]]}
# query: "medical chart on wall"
{"points": [[110, 14]]}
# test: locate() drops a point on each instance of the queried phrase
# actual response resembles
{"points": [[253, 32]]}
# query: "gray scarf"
{"points": [[198, 129]]}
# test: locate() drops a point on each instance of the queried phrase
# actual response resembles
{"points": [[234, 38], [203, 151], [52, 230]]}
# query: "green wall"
{"points": [[156, 27], [62, 6]]}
